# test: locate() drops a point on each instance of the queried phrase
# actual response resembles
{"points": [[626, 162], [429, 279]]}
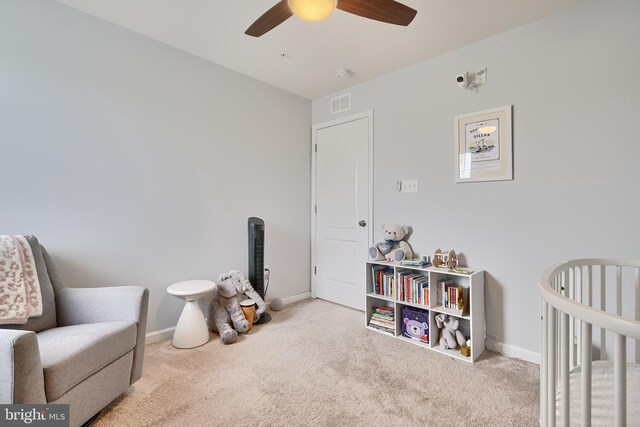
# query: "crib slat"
{"points": [[577, 322], [586, 374], [619, 381], [619, 290], [564, 368], [590, 286], [543, 363], [572, 330], [603, 307], [556, 325], [551, 366], [637, 311]]}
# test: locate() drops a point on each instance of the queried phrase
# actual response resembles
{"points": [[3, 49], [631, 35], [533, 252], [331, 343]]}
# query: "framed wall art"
{"points": [[484, 146]]}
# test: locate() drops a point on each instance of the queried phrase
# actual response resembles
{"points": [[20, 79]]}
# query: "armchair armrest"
{"points": [[77, 306], [21, 376]]}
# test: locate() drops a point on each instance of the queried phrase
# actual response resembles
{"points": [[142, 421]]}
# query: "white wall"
{"points": [[136, 163], [573, 81]]}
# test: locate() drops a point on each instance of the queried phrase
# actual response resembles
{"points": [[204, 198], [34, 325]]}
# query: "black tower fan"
{"points": [[256, 260]]}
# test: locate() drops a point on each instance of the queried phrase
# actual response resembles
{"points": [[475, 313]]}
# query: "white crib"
{"points": [[584, 376]]}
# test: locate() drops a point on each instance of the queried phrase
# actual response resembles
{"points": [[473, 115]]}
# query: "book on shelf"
{"points": [[416, 262], [383, 318], [452, 295], [414, 287], [382, 280], [386, 310]]}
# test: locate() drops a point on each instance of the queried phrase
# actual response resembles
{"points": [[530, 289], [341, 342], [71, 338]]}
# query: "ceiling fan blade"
{"points": [[270, 19], [388, 11]]}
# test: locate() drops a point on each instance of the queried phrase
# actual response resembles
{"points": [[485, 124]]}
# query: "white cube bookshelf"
{"points": [[471, 318]]}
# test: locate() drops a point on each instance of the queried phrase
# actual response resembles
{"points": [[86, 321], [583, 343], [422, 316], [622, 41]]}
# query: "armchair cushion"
{"points": [[92, 305], [71, 354]]}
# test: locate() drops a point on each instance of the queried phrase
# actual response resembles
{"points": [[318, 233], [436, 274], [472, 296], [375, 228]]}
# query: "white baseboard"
{"points": [[296, 298], [513, 351], [161, 335]]}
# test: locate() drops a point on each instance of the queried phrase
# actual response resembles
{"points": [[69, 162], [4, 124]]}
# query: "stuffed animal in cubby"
{"points": [[450, 335], [224, 310], [394, 247]]}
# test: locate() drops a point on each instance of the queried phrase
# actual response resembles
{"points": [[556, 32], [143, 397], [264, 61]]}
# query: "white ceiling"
{"points": [[214, 30]]}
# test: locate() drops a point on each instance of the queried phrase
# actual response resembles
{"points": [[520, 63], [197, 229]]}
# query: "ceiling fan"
{"points": [[388, 11]]}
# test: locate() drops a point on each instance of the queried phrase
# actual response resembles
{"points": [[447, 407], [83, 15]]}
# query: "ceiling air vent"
{"points": [[341, 103]]}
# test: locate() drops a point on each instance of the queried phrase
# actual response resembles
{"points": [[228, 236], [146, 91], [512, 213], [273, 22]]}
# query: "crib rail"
{"points": [[585, 302]]}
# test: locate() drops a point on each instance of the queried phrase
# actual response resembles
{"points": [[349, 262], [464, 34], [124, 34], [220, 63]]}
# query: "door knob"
{"points": [[362, 223]]}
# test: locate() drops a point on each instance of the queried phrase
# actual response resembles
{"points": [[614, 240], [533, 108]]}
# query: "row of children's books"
{"points": [[451, 295], [414, 287], [383, 281], [383, 319]]}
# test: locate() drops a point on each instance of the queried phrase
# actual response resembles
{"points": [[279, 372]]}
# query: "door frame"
{"points": [[314, 130]]}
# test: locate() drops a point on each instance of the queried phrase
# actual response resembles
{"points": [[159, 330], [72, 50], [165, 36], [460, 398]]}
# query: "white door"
{"points": [[342, 210]]}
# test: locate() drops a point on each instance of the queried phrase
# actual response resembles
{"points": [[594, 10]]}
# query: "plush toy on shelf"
{"points": [[394, 247], [439, 258], [452, 261], [450, 335]]}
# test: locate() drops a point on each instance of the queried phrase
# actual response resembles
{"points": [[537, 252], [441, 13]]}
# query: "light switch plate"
{"points": [[409, 186]]}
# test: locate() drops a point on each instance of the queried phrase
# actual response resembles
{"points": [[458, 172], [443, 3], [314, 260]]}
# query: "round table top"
{"points": [[191, 287]]}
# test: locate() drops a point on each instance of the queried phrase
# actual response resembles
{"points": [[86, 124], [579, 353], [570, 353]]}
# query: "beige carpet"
{"points": [[316, 364]]}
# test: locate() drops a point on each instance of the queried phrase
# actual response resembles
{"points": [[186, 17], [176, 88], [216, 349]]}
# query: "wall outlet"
{"points": [[267, 272], [481, 77], [409, 186]]}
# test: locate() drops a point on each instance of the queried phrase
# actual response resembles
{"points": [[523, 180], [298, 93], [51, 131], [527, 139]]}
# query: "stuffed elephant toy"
{"points": [[224, 310], [243, 286], [450, 336]]}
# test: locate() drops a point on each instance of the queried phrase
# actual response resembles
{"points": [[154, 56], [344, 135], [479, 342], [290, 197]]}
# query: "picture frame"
{"points": [[484, 145]]}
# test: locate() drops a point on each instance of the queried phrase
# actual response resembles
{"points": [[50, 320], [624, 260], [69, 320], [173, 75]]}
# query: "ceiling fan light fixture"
{"points": [[312, 10]]}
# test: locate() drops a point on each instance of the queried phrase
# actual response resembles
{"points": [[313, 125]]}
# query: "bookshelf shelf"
{"points": [[449, 352], [416, 342], [393, 288], [450, 312], [380, 331], [411, 304], [376, 296]]}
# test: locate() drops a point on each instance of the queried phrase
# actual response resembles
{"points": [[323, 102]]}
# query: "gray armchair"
{"points": [[85, 350]]}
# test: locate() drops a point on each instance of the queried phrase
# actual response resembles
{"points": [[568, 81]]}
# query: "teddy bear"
{"points": [[450, 336], [394, 248], [225, 310]]}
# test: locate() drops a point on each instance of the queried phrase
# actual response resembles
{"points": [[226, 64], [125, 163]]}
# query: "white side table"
{"points": [[192, 330]]}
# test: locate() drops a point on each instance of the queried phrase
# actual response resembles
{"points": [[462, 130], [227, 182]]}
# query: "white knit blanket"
{"points": [[20, 296]]}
